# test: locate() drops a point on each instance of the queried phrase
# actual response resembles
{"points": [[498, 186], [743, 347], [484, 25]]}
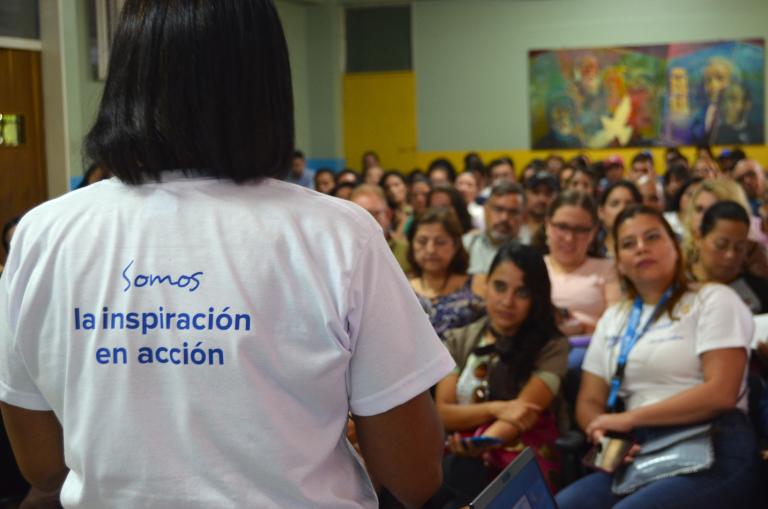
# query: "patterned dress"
{"points": [[454, 310]]}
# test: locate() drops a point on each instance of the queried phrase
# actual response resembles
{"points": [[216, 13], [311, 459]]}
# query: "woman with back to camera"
{"points": [[510, 366], [685, 352], [200, 339], [439, 265]]}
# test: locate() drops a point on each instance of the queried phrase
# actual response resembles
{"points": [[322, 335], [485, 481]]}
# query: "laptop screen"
{"points": [[519, 486]]}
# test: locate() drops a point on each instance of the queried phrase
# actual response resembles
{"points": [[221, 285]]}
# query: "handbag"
{"points": [[668, 453]]}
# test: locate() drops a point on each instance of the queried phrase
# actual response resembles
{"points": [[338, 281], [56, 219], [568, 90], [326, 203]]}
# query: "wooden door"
{"points": [[380, 115], [23, 181]]}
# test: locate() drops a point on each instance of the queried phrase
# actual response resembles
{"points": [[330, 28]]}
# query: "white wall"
{"points": [[471, 56]]}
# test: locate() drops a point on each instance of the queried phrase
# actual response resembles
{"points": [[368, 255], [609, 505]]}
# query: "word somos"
{"points": [[191, 281]]}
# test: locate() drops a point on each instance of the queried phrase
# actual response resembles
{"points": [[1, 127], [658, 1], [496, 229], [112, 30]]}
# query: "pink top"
{"points": [[587, 291]]}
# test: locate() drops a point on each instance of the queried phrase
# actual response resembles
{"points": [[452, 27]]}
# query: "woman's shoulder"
{"points": [[710, 293], [601, 266], [462, 340]]}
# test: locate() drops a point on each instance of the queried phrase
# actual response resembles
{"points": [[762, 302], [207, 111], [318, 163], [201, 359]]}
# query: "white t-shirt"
{"points": [[665, 360], [268, 311]]}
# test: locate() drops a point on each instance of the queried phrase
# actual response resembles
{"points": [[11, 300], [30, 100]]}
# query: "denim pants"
{"points": [[732, 482]]}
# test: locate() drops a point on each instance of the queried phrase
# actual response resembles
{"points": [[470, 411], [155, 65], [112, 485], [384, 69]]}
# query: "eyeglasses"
{"points": [[576, 231]]}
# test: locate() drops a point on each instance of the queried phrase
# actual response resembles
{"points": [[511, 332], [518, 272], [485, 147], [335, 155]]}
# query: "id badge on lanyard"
{"points": [[629, 340]]}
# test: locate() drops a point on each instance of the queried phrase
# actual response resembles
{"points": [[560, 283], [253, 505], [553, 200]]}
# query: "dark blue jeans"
{"points": [[732, 482]]}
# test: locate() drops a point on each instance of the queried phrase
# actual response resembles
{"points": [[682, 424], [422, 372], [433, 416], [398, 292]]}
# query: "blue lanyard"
{"points": [[630, 339]]}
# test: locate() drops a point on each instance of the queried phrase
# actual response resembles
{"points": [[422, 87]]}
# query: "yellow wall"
{"points": [[380, 115], [521, 157]]}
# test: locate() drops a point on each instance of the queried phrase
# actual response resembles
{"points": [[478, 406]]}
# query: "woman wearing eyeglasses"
{"points": [[582, 286], [510, 365], [683, 352]]}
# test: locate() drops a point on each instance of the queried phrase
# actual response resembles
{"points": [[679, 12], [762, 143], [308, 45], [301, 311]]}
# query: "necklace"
{"points": [[439, 292]]}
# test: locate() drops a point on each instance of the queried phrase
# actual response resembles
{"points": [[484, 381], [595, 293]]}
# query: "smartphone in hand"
{"points": [[609, 453], [482, 441]]}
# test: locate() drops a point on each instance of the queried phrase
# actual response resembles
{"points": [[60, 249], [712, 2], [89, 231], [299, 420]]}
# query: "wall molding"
{"points": [[19, 43]]}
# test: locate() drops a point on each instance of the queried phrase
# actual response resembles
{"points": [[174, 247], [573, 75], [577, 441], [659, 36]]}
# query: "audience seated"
{"points": [[447, 196], [396, 191], [749, 174], [372, 175], [439, 267], [641, 166], [687, 368], [419, 194], [617, 196], [720, 247], [651, 191], [674, 178], [343, 190], [675, 215], [707, 194], [582, 286], [349, 176], [540, 191], [441, 171], [582, 180], [325, 180], [371, 198], [467, 185], [510, 366], [370, 158], [504, 213], [299, 173], [706, 168]]}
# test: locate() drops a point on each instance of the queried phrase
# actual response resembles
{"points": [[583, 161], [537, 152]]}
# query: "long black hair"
{"points": [[518, 353], [198, 86]]}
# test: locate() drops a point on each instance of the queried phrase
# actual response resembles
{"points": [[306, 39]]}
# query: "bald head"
{"points": [[371, 198]]}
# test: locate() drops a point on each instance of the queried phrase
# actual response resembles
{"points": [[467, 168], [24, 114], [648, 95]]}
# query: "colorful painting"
{"points": [[677, 94]]}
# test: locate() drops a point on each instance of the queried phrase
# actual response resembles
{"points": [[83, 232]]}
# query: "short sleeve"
{"points": [[396, 354], [723, 321], [452, 339], [596, 361], [16, 385], [554, 358]]}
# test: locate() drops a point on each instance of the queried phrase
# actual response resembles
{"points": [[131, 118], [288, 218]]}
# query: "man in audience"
{"points": [[614, 169], [325, 180], [502, 168], [499, 169], [372, 199], [642, 166], [651, 191], [504, 213], [300, 174], [749, 174], [540, 191]]}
